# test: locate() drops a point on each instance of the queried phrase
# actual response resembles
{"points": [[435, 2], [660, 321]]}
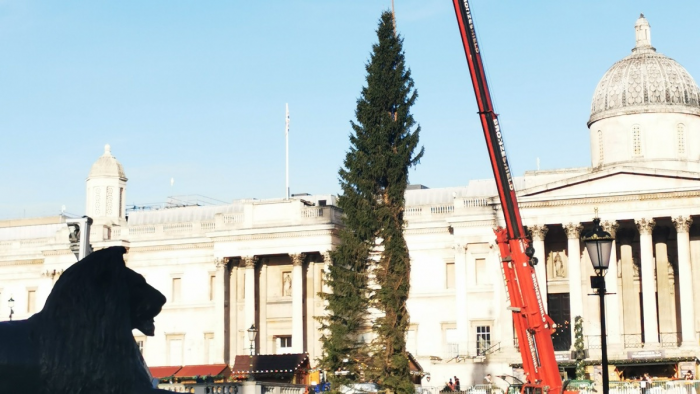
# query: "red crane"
{"points": [[532, 324]]}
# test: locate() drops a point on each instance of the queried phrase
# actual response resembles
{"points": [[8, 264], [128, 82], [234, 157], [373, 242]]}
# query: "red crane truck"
{"points": [[533, 326]]}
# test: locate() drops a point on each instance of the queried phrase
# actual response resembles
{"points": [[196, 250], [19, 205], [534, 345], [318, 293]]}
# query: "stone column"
{"points": [[262, 308], [573, 233], [233, 313], [297, 303], [219, 310], [612, 305], [650, 329], [666, 292], [461, 298], [685, 279], [629, 293], [326, 269], [538, 232], [311, 290], [249, 262]]}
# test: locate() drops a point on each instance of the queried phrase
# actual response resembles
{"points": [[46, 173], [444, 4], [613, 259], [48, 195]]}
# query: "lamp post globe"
{"points": [[599, 245]]}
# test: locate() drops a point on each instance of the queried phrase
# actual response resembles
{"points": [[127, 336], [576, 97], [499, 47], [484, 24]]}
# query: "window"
{"points": [[175, 349], [31, 301], [284, 344], [209, 348], [212, 284], [452, 342], [482, 276], [449, 275], [600, 147], [636, 141], [141, 343], [681, 138], [176, 289], [483, 339]]}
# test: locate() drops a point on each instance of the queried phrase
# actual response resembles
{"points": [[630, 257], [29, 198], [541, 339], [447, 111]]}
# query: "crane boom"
{"points": [[532, 325]]}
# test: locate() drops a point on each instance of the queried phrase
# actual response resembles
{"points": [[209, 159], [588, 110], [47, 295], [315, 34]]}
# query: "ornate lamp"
{"points": [[252, 333], [11, 304], [599, 245]]}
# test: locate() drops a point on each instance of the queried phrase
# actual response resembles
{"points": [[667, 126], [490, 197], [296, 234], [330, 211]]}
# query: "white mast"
{"points": [[286, 135]]}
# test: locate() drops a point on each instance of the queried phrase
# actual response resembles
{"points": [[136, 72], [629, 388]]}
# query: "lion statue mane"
{"points": [[81, 342]]}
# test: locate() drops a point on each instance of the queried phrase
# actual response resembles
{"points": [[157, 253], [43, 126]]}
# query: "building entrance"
{"points": [[560, 312]]}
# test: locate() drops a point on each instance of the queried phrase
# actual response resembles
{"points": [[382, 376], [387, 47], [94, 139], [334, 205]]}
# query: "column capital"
{"points": [[538, 232], [611, 227], [573, 230], [249, 261], [645, 226], [220, 262], [682, 223], [297, 258]]}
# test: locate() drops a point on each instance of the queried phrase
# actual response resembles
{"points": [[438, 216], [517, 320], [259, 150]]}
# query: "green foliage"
{"points": [[579, 348], [373, 181]]}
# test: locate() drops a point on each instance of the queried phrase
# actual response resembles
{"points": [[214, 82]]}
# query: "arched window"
{"points": [[600, 147], [636, 141], [680, 132]]}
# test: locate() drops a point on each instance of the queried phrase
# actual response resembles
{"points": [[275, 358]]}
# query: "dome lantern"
{"points": [[106, 187], [643, 34]]}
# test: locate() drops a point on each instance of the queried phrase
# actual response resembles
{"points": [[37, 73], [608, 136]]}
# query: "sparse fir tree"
{"points": [[579, 348], [374, 178]]}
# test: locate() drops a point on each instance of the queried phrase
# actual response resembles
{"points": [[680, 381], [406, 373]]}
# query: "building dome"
{"points": [[107, 166], [645, 82]]}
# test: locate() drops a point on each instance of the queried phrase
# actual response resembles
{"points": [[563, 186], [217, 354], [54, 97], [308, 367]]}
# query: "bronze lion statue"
{"points": [[81, 342]]}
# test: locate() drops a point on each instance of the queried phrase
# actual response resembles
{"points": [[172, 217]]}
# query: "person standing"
{"points": [[646, 383]]}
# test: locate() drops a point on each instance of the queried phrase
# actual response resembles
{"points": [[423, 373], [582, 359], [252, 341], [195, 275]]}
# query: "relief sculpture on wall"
{"points": [[557, 261], [287, 284]]}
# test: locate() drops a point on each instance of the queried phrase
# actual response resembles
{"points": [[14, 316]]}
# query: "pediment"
{"points": [[614, 181]]}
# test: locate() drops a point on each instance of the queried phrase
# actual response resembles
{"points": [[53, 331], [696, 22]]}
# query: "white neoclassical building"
{"points": [[226, 267]]}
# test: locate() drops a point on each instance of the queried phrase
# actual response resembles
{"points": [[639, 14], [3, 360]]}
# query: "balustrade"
{"points": [[670, 339], [632, 340], [442, 209], [593, 342]]}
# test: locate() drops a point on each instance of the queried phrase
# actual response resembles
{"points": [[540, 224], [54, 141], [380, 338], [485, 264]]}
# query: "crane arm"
{"points": [[532, 325]]}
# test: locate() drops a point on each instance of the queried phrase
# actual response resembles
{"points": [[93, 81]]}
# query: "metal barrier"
{"points": [[475, 389], [658, 387]]}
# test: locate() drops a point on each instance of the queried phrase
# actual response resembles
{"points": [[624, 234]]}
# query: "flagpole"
{"points": [[286, 135]]}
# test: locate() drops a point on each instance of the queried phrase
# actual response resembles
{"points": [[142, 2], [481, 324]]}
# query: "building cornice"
{"points": [[277, 235], [163, 248], [7, 263], [607, 199]]}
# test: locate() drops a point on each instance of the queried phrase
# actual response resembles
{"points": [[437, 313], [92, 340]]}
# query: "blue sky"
{"points": [[196, 91]]}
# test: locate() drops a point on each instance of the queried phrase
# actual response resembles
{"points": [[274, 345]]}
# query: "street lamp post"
{"points": [[11, 303], [252, 333], [599, 245]]}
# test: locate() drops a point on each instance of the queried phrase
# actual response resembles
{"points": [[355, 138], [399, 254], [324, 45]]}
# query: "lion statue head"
{"points": [[81, 341]]}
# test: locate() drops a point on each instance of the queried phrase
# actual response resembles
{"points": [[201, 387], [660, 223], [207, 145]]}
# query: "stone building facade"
{"points": [[227, 267]]}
